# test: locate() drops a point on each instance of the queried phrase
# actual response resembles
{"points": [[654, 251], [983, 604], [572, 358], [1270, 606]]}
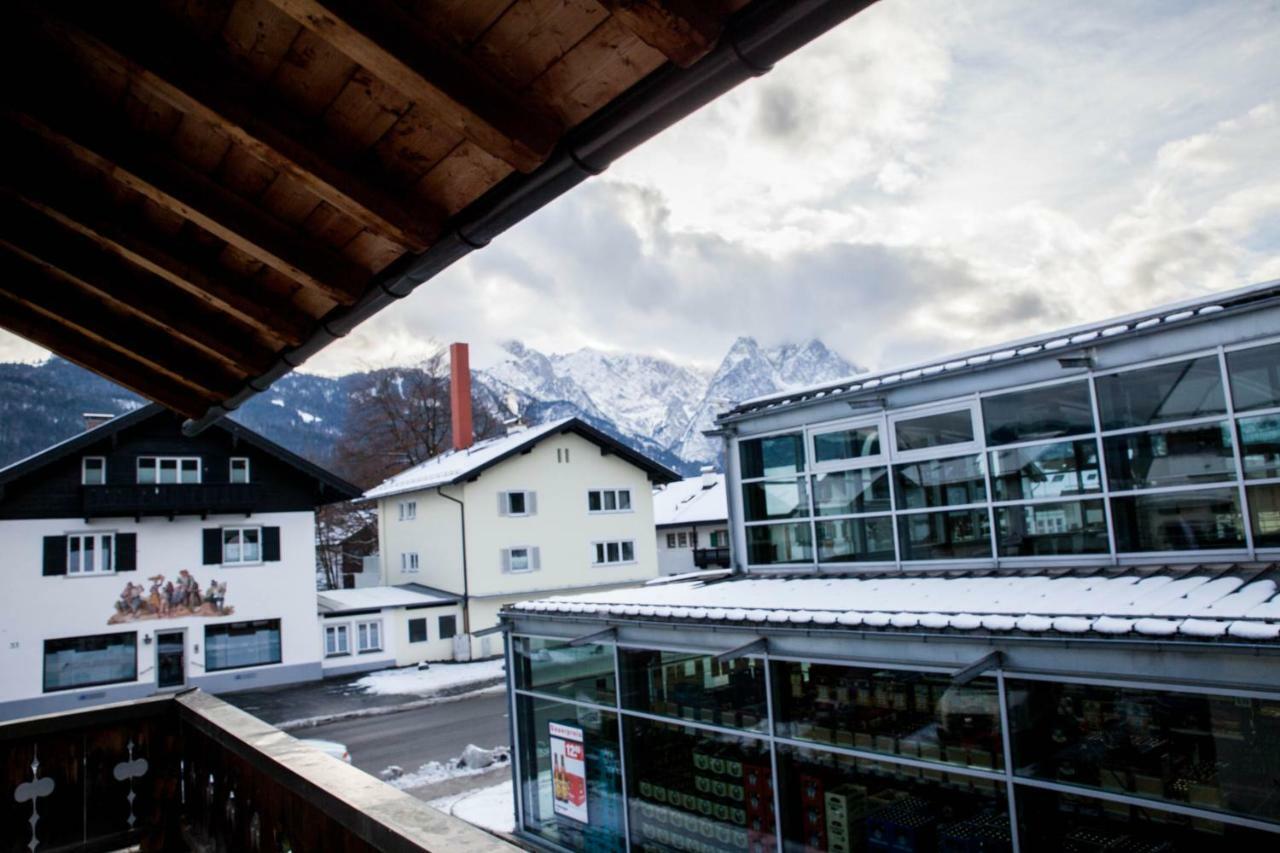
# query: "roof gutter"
{"points": [[755, 39]]}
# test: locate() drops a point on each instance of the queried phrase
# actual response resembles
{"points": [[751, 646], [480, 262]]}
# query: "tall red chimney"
{"points": [[460, 395]]}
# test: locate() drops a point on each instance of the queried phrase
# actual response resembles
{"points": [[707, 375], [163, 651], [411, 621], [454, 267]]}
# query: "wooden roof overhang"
{"points": [[198, 195]]}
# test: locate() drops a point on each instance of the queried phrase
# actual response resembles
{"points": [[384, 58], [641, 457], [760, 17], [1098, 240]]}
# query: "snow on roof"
{"points": [[452, 465], [1196, 604], [372, 597], [690, 501]]}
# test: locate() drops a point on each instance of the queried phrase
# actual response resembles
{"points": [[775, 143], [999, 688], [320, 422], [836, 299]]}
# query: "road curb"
{"points": [[448, 694]]}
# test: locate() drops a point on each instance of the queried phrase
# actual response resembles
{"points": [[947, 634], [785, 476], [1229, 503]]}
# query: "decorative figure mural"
{"points": [[170, 599]]}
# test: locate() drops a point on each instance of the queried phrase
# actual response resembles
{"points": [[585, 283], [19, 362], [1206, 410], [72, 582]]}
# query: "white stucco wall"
{"points": [[678, 560], [435, 535]]}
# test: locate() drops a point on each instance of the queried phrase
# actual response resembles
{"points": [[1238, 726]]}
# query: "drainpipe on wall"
{"points": [[462, 530]]}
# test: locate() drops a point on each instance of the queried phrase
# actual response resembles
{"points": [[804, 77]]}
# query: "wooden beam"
{"points": [[107, 363], [402, 51], [683, 31], [80, 261], [193, 80], [195, 197]]}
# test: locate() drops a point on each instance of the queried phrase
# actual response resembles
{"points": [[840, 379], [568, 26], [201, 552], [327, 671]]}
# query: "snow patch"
{"points": [[488, 808], [473, 761], [423, 682]]}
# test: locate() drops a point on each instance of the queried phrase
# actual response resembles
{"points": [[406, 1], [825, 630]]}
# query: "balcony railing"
{"points": [[706, 558], [190, 772], [170, 499]]}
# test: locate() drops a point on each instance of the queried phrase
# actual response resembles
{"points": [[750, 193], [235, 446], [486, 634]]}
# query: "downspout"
{"points": [[462, 528]]}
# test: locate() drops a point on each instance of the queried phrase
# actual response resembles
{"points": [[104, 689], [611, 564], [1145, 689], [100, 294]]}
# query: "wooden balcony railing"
{"points": [[169, 499]]}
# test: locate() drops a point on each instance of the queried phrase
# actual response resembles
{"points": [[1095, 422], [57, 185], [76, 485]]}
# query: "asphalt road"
{"points": [[412, 738]]}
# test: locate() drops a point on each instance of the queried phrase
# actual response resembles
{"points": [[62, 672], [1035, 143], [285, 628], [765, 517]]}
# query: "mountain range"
{"points": [[656, 405]]}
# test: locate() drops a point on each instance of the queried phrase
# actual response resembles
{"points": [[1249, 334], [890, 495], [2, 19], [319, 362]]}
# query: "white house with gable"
{"points": [[692, 521]]}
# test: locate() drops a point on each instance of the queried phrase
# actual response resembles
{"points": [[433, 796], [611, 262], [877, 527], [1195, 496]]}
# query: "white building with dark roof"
{"points": [[692, 521]]}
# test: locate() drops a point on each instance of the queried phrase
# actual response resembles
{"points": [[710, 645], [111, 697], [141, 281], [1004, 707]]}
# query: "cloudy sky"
{"points": [[929, 177]]}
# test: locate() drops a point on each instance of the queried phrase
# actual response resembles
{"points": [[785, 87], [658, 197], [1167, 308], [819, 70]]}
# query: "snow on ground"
{"points": [[489, 808], [277, 402], [434, 772], [425, 682], [307, 417]]}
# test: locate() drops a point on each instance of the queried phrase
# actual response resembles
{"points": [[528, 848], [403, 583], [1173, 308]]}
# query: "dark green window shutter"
{"points": [[55, 555], [271, 544], [126, 552], [212, 546]]}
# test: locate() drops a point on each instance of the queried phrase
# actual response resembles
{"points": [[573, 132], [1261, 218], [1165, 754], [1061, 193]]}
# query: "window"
{"points": [[582, 672], [1167, 392], [241, 545], [418, 630], [719, 539], [166, 470], [241, 644], [448, 626], [409, 561], [941, 482], [239, 469], [945, 535], [845, 445], [1181, 456], [622, 551], [369, 636], [925, 432], [1178, 521], [517, 503], [1264, 512], [520, 559], [1255, 377], [337, 640], [671, 540], [90, 553], [695, 687], [408, 510], [1036, 530], [1053, 470], [1260, 446], [609, 500], [93, 471], [856, 540], [683, 539], [74, 662], [770, 499], [562, 455], [849, 492], [1038, 413], [769, 544], [772, 456]]}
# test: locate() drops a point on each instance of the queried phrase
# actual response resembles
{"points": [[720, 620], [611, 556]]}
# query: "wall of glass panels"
{"points": [[1160, 459], [871, 758]]}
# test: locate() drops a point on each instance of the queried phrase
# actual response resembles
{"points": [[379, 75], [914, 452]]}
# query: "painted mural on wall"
{"points": [[171, 599]]}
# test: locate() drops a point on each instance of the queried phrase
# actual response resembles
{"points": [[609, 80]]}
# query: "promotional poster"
{"points": [[568, 772]]}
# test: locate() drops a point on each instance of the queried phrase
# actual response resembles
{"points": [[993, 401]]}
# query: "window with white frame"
{"points": [[239, 469], [671, 540], [369, 636], [608, 553], [522, 558], [409, 561], [408, 510], [167, 470], [91, 553], [609, 500], [241, 545], [517, 503], [93, 471], [337, 640], [682, 540]]}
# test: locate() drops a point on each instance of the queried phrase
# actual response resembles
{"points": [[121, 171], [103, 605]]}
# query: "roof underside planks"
{"points": [[197, 195]]}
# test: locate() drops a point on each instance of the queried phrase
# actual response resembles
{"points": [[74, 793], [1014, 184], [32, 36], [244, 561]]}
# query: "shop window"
{"points": [[571, 775], [1038, 413], [853, 540], [1181, 456], [241, 644], [694, 790], [1056, 470], [925, 432], [849, 492], [771, 544], [941, 482], [846, 445], [918, 715], [764, 501], [945, 535], [773, 456], [1255, 377], [695, 687], [1167, 392], [1178, 521], [1264, 515], [1047, 529], [840, 803], [418, 630], [1260, 446], [584, 673], [1211, 752], [93, 471], [75, 662]]}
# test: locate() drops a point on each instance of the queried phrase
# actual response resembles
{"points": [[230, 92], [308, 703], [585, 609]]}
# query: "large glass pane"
{"points": [[854, 443], [941, 482], [945, 535], [1038, 413], [895, 712], [840, 804], [1212, 752], [1260, 446], [694, 790], [1180, 521], [1070, 527], [570, 774], [769, 544], [168, 470], [695, 687], [1046, 471], [1170, 457], [1169, 392], [584, 673], [1264, 514], [74, 662], [241, 644], [774, 499], [769, 457], [856, 540], [1255, 377], [934, 430], [849, 492]]}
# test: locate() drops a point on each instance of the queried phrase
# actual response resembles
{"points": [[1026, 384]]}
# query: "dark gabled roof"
{"points": [[82, 440]]}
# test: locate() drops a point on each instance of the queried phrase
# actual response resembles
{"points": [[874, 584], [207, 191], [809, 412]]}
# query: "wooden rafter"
{"points": [[400, 50], [682, 30]]}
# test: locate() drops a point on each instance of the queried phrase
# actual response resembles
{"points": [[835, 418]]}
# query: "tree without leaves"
{"points": [[346, 533]]}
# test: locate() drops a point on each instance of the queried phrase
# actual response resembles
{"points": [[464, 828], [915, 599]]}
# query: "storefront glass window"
{"points": [[84, 661], [1167, 392], [692, 789], [772, 499], [849, 492], [1038, 413], [769, 544], [896, 712], [941, 482], [854, 540], [1264, 514], [1182, 456], [695, 687], [843, 444], [934, 430], [584, 673], [1178, 521], [1255, 377], [570, 775], [840, 803], [1072, 527], [1260, 446], [772, 456], [945, 535], [1057, 470], [1211, 752]]}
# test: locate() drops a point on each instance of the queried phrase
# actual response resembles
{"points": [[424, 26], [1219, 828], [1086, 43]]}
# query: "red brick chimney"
{"points": [[460, 395]]}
